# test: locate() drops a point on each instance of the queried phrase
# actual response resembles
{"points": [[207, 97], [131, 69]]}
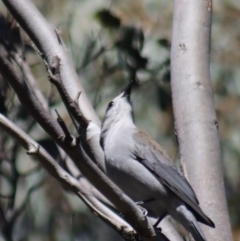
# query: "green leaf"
{"points": [[107, 19], [164, 43]]}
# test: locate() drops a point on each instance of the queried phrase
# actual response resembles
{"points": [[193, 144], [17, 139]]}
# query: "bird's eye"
{"points": [[110, 105]]}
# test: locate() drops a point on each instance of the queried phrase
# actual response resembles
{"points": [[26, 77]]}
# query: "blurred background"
{"points": [[110, 42]]}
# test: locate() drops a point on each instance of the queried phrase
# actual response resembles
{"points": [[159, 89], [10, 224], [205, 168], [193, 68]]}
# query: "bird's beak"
{"points": [[127, 90]]}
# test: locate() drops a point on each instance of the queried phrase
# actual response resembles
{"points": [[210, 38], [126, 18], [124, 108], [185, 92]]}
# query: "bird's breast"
{"points": [[129, 174], [132, 177]]}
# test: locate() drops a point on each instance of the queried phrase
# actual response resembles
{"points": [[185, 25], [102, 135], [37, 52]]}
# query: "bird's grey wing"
{"points": [[150, 154]]}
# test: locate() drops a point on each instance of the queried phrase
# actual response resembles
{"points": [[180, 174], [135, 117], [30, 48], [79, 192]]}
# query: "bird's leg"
{"points": [[159, 220], [139, 203], [144, 210]]}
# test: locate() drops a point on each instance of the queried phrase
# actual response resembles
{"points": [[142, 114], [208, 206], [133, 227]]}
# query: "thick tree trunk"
{"points": [[195, 118]]}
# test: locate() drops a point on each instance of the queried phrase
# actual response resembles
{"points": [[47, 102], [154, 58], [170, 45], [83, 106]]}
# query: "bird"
{"points": [[140, 167]]}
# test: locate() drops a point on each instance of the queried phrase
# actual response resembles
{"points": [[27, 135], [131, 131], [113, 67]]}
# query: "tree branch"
{"points": [[194, 113], [27, 99], [29, 77], [63, 177], [19, 211], [123, 203], [90, 132], [38, 29]]}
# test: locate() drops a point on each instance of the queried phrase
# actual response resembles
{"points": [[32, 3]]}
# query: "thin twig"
{"points": [[92, 58], [68, 137], [63, 177], [28, 100], [29, 77], [6, 176], [71, 105], [3, 217], [6, 196], [24, 204]]}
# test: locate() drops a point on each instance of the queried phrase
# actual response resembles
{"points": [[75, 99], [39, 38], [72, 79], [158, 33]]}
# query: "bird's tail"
{"points": [[189, 222], [196, 232]]}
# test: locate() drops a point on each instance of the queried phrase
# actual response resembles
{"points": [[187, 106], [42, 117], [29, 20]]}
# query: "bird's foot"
{"points": [[159, 220], [145, 212]]}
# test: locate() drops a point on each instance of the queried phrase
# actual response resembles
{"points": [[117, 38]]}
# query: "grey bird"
{"points": [[138, 165]]}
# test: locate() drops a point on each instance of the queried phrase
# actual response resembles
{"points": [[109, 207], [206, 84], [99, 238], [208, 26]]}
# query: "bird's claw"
{"points": [[145, 212]]}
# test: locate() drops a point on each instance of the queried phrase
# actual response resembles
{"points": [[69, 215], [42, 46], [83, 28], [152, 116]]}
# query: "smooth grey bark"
{"points": [[195, 118], [46, 39], [81, 187]]}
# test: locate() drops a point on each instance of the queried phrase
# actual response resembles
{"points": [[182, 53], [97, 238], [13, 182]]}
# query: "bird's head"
{"points": [[120, 108]]}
